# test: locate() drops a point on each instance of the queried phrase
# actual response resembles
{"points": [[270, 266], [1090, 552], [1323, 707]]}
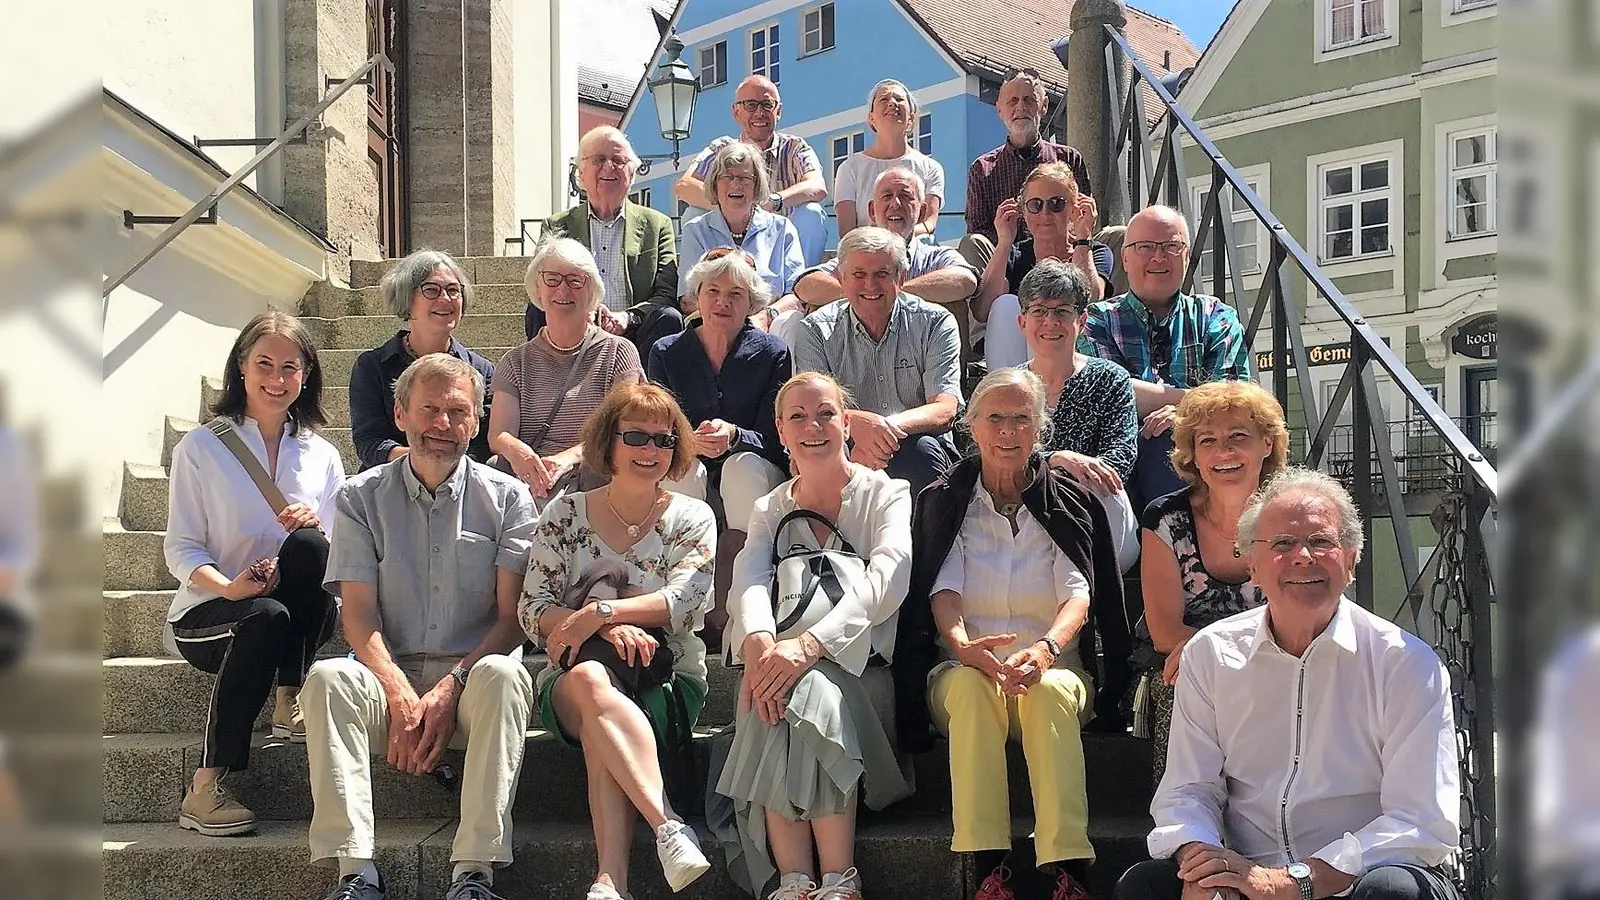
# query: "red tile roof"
{"points": [[995, 36]]}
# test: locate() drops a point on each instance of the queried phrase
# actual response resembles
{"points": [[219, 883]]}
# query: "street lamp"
{"points": [[675, 90]]}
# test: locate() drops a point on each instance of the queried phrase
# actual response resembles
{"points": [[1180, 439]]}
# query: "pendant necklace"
{"points": [[633, 530]]}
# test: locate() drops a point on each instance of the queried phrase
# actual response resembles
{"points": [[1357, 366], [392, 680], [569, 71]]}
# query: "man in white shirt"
{"points": [[1313, 749]]}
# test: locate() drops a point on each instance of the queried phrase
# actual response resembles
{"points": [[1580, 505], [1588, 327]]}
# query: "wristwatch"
{"points": [[776, 200], [459, 674], [605, 610], [1051, 645], [1301, 873], [1082, 242]]}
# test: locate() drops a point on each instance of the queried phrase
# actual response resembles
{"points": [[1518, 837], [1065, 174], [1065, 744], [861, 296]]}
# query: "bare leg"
{"points": [[836, 839], [728, 546], [613, 825], [616, 734], [790, 843]]}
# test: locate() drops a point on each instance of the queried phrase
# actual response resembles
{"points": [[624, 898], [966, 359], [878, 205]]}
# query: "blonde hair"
{"points": [[1200, 404], [1058, 171]]}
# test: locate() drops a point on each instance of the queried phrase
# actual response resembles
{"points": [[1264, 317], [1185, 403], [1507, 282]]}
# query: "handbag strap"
{"points": [[805, 514], [566, 385], [223, 428]]}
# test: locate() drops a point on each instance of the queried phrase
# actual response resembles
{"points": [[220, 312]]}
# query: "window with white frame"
{"points": [[713, 64], [925, 134], [816, 29], [846, 144], [764, 52], [1471, 187], [1249, 251], [1356, 206], [641, 196], [1355, 21], [1461, 6]]}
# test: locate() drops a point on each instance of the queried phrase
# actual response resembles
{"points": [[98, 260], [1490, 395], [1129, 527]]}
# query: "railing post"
{"points": [[1478, 596], [1091, 115], [1280, 341], [1361, 486]]}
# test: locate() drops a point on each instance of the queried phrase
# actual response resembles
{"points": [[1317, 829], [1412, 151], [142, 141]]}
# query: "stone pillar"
{"points": [[459, 135], [1092, 120], [328, 184]]}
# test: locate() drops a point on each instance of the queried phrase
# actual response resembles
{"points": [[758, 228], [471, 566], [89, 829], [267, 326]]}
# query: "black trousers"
{"points": [[656, 324], [249, 643], [1157, 879]]}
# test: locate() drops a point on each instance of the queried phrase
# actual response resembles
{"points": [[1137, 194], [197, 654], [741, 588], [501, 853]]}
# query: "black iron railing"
{"points": [[1449, 597]]}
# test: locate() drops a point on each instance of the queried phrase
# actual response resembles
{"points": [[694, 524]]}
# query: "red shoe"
{"points": [[997, 886], [1068, 888]]}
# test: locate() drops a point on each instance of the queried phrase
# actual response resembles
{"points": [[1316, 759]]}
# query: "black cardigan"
{"points": [[1077, 523]]}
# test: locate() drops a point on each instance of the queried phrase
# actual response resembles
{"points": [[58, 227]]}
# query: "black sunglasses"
{"points": [[1034, 204], [666, 440]]}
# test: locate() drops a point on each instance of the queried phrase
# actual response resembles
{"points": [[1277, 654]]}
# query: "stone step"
{"points": [[69, 621], [336, 364], [150, 695], [144, 775], [332, 301], [173, 428], [69, 559], [57, 779], [366, 332], [161, 861], [134, 560], [481, 270], [143, 504], [898, 860], [50, 694], [51, 862]]}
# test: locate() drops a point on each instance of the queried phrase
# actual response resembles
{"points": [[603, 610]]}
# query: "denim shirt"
{"points": [[770, 240]]}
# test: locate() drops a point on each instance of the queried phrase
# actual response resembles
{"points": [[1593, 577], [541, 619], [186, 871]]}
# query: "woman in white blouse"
{"points": [[824, 695], [892, 114], [250, 606]]}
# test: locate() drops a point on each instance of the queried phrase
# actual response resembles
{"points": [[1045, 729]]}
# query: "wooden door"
{"points": [[385, 125]]}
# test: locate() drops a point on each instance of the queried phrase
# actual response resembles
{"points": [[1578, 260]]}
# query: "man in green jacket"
{"points": [[633, 245]]}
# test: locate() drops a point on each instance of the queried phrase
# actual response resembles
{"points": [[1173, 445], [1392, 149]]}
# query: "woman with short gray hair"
{"points": [[738, 185], [429, 292], [892, 114]]}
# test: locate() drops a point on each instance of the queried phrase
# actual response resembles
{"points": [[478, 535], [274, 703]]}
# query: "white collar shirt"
{"points": [[1345, 754], [1009, 584]]}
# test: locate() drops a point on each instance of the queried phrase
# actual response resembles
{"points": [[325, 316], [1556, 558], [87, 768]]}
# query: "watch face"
{"points": [[1299, 870]]}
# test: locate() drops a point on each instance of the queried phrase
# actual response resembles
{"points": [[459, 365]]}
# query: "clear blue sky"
{"points": [[1199, 19]]}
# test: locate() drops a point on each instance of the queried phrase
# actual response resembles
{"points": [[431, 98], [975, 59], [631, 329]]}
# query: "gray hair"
{"points": [[1054, 279], [1298, 481], [400, 283], [900, 172], [436, 367], [609, 131], [737, 153], [569, 251], [735, 266], [873, 239], [911, 103], [1017, 377]]}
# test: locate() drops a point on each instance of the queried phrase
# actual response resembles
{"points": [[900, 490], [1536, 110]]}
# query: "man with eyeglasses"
{"points": [[1167, 340], [792, 166], [633, 245], [1313, 750], [997, 174]]}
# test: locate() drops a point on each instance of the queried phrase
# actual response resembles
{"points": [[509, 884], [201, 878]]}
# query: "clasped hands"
{"points": [[1016, 673], [540, 473], [1208, 871], [262, 575], [876, 439], [635, 645], [771, 668]]}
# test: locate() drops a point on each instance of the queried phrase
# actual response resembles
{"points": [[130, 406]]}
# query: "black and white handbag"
{"points": [[807, 582]]}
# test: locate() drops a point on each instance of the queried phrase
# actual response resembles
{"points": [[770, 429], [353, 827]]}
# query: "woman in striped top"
{"points": [[535, 431]]}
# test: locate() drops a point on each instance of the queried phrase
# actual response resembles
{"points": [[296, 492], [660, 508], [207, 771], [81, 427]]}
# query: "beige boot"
{"points": [[212, 811], [287, 722]]}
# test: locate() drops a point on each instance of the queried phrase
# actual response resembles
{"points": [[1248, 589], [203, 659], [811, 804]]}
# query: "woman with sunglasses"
{"points": [[738, 184], [545, 389], [1059, 223], [430, 293], [657, 548]]}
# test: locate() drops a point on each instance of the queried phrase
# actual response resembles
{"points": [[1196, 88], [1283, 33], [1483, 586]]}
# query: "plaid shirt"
{"points": [[790, 160], [998, 174], [1200, 340], [605, 242]]}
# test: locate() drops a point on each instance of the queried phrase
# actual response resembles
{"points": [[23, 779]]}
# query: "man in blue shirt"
{"points": [[1167, 340]]}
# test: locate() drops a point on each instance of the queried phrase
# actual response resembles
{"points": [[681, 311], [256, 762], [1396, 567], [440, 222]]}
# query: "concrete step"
{"points": [[336, 364], [898, 860], [39, 862], [161, 861], [144, 775], [143, 504], [132, 623], [50, 694], [69, 559], [134, 560], [332, 301], [481, 270], [150, 695], [345, 442], [173, 429], [58, 779], [69, 621], [365, 332]]}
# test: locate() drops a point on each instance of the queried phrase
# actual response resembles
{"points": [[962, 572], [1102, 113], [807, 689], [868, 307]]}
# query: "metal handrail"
{"points": [[1375, 348], [170, 234]]}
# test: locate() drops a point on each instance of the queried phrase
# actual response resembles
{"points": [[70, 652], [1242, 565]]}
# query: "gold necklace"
{"points": [[633, 530]]}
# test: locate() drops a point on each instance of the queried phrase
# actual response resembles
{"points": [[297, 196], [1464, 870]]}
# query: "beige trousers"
{"points": [[347, 723]]}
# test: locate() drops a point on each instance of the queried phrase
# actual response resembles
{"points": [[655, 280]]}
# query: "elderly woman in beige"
{"points": [[546, 388]]}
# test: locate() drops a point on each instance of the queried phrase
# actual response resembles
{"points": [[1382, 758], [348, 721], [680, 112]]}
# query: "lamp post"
{"points": [[675, 90]]}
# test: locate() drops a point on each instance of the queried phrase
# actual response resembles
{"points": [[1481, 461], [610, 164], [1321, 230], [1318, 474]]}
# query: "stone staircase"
{"points": [[154, 707]]}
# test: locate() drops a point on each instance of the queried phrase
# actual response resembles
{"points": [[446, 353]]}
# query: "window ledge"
{"points": [[1363, 258], [817, 52], [1461, 239], [1365, 45]]}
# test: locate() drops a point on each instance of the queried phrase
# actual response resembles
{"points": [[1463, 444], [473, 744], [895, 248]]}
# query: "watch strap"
{"points": [[459, 674]]}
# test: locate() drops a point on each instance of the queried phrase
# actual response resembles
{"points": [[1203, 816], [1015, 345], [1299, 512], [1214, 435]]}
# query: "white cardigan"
{"points": [[875, 517]]}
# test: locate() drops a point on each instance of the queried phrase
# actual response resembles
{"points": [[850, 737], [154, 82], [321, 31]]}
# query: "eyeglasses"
{"points": [[1054, 313], [767, 104], [574, 281], [1055, 204], [1320, 544], [666, 440], [716, 253], [600, 159], [1149, 248], [432, 289], [741, 179]]}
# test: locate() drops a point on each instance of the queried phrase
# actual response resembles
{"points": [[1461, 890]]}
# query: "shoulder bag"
{"points": [[808, 583]]}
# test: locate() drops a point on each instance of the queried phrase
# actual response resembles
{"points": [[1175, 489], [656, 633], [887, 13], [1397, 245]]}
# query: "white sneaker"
{"points": [[601, 891], [837, 886], [679, 850], [794, 886]]}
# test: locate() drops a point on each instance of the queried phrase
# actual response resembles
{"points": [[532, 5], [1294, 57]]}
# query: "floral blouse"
{"points": [[675, 557], [1206, 599]]}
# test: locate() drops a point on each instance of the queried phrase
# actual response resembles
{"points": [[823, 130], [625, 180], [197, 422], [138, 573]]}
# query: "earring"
{"points": [[1236, 553]]}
